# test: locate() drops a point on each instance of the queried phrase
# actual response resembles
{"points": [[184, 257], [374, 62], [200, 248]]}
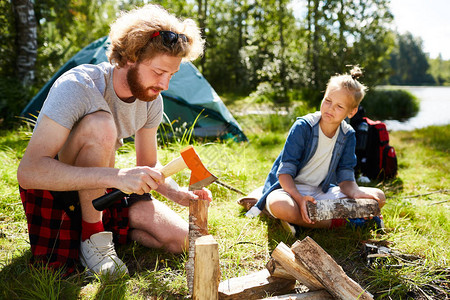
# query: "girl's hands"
{"points": [[366, 194], [301, 202]]}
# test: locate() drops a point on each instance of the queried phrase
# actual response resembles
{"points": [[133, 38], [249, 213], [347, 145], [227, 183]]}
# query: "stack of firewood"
{"points": [[305, 263]]}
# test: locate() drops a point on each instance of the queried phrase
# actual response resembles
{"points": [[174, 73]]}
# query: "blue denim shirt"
{"points": [[300, 146]]}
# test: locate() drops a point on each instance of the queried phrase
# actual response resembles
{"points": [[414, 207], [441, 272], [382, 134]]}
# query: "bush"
{"points": [[390, 104], [313, 97], [273, 93], [13, 98]]}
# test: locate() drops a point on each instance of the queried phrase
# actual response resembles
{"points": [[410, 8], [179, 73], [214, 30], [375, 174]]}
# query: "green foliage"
{"points": [[180, 134], [266, 93], [43, 284], [7, 39], [13, 98], [440, 70], [271, 119], [390, 104], [341, 33], [409, 62], [417, 214], [419, 278], [434, 137], [259, 47], [66, 28], [312, 96]]}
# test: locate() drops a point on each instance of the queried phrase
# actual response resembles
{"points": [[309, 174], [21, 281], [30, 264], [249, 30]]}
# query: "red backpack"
{"points": [[376, 158]]}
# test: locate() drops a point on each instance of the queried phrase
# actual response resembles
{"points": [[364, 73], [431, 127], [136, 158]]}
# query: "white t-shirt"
{"points": [[316, 169], [89, 88]]}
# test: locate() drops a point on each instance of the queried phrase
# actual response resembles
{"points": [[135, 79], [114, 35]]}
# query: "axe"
{"points": [[200, 176]]}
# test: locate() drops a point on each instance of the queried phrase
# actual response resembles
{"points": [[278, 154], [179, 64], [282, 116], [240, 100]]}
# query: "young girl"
{"points": [[318, 158]]}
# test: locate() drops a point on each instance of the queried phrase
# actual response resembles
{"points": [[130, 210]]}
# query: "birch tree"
{"points": [[26, 29]]}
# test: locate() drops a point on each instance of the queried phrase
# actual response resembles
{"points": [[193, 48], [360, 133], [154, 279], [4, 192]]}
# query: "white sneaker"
{"points": [[98, 255], [288, 227]]}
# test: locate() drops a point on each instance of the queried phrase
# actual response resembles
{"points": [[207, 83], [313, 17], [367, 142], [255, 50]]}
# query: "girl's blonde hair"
{"points": [[350, 82], [131, 36]]}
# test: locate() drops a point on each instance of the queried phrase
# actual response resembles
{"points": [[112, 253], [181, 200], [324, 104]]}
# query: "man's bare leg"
{"points": [[92, 144], [155, 225]]}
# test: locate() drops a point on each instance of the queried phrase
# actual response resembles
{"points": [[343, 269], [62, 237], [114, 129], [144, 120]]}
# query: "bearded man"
{"points": [[69, 160]]}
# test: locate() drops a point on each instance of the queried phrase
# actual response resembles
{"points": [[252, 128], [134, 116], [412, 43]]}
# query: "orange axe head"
{"points": [[200, 176]]}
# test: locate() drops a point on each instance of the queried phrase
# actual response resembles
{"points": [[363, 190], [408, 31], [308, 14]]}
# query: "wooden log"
{"points": [[286, 258], [254, 286], [276, 269], [327, 271], [198, 226], [316, 295], [206, 269], [342, 208]]}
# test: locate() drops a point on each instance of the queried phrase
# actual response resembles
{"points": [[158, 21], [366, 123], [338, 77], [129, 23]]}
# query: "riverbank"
{"points": [[434, 102], [434, 108]]}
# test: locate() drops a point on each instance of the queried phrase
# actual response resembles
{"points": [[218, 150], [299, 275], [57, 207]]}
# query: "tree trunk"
{"points": [[308, 39], [315, 47], [242, 16], [282, 46], [202, 11], [26, 40], [342, 28]]}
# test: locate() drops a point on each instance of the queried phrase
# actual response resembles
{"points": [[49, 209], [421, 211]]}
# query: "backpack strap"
{"points": [[381, 128]]}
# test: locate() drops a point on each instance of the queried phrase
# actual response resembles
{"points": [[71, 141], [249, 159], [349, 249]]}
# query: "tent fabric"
{"points": [[189, 95]]}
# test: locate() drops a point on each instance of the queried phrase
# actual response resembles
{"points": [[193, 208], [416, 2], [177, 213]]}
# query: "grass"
{"points": [[416, 216]]}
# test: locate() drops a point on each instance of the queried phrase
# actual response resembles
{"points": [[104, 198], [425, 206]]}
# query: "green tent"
{"points": [[188, 98]]}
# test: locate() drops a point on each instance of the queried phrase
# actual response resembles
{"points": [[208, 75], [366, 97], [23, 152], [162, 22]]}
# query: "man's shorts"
{"points": [[54, 226]]}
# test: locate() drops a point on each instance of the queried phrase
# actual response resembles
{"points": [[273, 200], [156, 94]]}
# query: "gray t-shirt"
{"points": [[89, 88]]}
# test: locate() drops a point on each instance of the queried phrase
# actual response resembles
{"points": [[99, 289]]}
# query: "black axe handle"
{"points": [[106, 200]]}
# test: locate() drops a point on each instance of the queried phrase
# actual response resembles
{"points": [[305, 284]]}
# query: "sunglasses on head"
{"points": [[170, 38]]}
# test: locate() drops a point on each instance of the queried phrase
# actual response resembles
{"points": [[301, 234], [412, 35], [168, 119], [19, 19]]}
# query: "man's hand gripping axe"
{"points": [[200, 176]]}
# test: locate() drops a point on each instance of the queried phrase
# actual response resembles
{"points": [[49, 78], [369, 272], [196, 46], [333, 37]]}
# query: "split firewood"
{"points": [[206, 269], [342, 208], [276, 269], [198, 226], [327, 271], [254, 286], [316, 295], [286, 258]]}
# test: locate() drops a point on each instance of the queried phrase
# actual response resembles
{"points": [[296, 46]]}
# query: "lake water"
{"points": [[434, 108]]}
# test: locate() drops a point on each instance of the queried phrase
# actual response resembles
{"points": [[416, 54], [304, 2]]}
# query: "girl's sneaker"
{"points": [[288, 227], [377, 221], [293, 229]]}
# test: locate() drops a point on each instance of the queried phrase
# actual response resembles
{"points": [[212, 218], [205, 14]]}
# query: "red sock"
{"points": [[335, 223], [88, 229]]}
